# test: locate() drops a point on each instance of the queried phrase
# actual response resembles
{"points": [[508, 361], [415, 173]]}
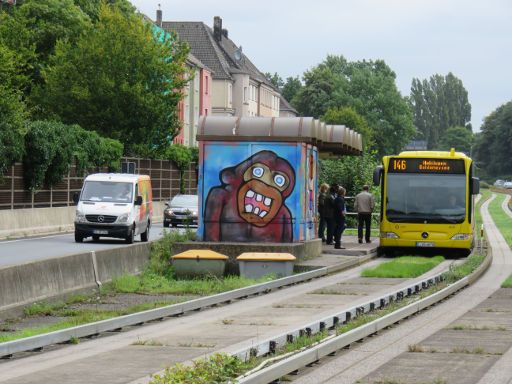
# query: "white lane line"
{"points": [[33, 238]]}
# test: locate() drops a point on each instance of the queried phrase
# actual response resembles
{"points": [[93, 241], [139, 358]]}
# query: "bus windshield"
{"points": [[107, 191], [425, 198]]}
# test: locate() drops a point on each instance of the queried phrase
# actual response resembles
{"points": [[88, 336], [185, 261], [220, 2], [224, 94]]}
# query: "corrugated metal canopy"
{"points": [[335, 139]]}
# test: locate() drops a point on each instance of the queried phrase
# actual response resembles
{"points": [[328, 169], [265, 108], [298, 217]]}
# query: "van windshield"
{"points": [[107, 191]]}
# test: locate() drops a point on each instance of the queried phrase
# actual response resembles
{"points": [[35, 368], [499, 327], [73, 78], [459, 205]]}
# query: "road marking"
{"points": [[32, 238]]}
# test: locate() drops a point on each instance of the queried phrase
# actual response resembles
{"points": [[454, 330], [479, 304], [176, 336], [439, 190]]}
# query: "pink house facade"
{"points": [[196, 102]]}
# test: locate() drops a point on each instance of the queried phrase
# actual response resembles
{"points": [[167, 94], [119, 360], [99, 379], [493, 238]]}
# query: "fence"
{"points": [[165, 178]]}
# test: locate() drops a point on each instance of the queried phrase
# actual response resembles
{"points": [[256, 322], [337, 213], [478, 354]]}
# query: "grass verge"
{"points": [[486, 194], [404, 267], [501, 219]]}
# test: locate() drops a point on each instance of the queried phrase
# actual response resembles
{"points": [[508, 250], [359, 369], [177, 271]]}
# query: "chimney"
{"points": [[225, 33], [159, 16], [217, 28]]}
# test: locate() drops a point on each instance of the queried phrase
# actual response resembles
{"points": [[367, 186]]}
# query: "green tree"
{"points": [[275, 79], [290, 89], [439, 103], [369, 88], [348, 117], [492, 148], [119, 79], [460, 138], [32, 30], [92, 7], [12, 111], [182, 156]]}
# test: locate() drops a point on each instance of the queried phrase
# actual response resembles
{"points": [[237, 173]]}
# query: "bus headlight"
{"points": [[461, 236], [389, 235]]}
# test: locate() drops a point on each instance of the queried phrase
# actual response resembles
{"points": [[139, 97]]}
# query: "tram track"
{"points": [[232, 327], [374, 359]]}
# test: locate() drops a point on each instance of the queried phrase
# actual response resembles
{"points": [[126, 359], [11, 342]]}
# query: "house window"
{"points": [[245, 94], [206, 112], [206, 85]]}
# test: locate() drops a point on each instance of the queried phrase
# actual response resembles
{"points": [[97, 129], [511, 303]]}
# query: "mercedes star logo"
{"points": [[100, 219]]}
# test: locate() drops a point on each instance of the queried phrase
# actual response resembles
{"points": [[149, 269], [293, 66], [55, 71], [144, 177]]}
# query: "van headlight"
{"points": [[80, 217], [389, 235], [123, 218], [461, 236]]}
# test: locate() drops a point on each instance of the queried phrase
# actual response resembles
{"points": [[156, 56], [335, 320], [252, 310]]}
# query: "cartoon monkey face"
{"points": [[261, 195]]}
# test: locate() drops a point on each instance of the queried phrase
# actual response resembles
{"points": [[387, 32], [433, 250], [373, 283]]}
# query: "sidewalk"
{"points": [[331, 257]]}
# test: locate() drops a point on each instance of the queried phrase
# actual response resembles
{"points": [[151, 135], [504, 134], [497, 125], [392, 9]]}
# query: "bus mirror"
{"points": [[475, 185], [376, 175]]}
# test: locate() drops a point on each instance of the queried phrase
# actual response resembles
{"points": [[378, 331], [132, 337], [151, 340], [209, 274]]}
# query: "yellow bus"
{"points": [[427, 201]]}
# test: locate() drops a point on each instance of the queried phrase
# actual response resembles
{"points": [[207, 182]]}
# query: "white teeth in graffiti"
{"points": [[248, 208], [268, 201], [250, 193], [256, 210], [259, 197], [263, 214]]}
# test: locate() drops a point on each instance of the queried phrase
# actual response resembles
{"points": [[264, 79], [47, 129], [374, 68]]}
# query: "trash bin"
{"points": [[199, 262], [254, 265]]}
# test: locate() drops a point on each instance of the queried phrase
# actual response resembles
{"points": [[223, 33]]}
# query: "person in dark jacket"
{"points": [[329, 213], [322, 223], [339, 217]]}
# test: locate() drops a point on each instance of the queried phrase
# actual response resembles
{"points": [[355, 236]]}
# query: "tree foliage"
{"points": [[493, 144], [351, 172], [275, 79], [52, 146], [12, 112], [348, 117], [439, 103], [291, 89], [366, 86], [460, 138], [118, 79], [182, 156]]}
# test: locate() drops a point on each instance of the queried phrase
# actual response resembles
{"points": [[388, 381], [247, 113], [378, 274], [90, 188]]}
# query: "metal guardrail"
{"points": [[323, 349], [39, 341]]}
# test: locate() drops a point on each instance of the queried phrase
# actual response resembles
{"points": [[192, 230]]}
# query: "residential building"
{"points": [[196, 101], [238, 87], [285, 109]]}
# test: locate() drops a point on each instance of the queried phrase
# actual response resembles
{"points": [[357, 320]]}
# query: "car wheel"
{"points": [[144, 236], [129, 238], [95, 237], [166, 224], [78, 237]]}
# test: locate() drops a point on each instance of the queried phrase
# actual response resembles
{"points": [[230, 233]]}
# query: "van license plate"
{"points": [[100, 232], [424, 244]]}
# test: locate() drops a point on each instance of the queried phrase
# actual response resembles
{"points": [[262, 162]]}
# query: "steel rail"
{"points": [[322, 349]]}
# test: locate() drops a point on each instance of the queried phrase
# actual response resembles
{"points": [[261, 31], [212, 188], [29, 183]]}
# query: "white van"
{"points": [[114, 205]]}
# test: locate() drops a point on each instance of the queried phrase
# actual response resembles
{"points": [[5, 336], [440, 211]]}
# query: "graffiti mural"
{"points": [[250, 203]]}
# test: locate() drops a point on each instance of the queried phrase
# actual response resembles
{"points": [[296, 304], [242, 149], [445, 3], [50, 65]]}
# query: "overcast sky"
{"points": [[416, 38]]}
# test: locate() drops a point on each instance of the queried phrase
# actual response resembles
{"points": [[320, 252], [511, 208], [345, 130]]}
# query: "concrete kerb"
{"points": [[47, 279], [322, 349]]}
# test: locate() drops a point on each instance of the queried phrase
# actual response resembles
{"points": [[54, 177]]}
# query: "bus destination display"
{"points": [[401, 165]]}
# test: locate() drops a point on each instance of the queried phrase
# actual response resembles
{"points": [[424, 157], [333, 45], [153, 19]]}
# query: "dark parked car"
{"points": [[181, 209]]}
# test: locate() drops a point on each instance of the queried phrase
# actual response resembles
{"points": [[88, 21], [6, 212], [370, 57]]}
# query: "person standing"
{"points": [[339, 217], [329, 213], [322, 223], [364, 204]]}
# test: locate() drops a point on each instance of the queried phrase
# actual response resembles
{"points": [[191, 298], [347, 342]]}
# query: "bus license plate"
{"points": [[424, 244], [100, 232]]}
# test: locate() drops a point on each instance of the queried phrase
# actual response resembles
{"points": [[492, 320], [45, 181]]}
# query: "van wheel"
{"points": [[129, 238], [144, 236], [95, 237], [166, 224], [78, 238]]}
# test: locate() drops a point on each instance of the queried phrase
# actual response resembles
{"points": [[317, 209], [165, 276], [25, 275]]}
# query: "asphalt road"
{"points": [[21, 251]]}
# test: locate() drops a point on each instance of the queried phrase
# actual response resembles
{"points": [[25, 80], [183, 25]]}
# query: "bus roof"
{"points": [[433, 154]]}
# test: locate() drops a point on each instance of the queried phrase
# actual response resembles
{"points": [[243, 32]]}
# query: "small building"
{"points": [[285, 109]]}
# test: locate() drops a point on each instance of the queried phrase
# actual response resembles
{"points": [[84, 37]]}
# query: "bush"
{"points": [[12, 127], [484, 185]]}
